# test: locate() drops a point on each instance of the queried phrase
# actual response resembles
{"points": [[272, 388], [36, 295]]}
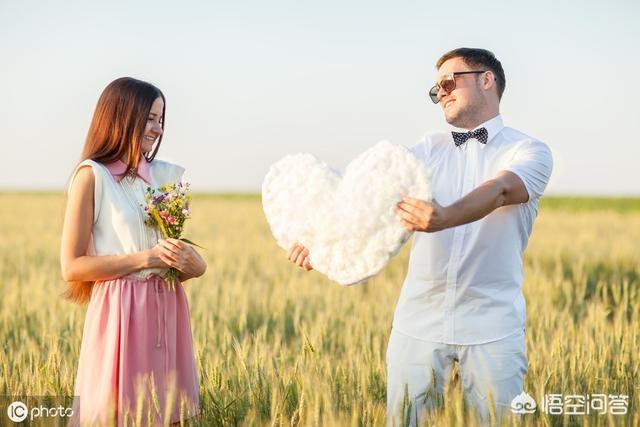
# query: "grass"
{"points": [[277, 346], [575, 204]]}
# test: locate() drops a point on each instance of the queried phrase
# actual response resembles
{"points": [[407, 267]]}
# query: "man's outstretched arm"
{"points": [[505, 189]]}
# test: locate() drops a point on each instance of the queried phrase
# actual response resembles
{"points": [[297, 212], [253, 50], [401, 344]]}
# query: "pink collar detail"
{"points": [[119, 169]]}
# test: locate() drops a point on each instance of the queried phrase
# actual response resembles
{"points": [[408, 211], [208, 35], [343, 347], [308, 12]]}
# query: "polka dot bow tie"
{"points": [[461, 137]]}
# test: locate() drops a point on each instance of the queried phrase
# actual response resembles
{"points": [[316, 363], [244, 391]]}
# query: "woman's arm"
{"points": [[76, 265]]}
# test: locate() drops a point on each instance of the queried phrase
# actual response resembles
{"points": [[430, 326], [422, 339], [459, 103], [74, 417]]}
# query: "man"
{"points": [[461, 300]]}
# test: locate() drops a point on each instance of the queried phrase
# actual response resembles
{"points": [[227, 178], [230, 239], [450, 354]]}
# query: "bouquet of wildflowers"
{"points": [[168, 208]]}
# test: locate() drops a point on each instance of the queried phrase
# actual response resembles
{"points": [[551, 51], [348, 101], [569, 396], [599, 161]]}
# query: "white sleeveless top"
{"points": [[118, 213]]}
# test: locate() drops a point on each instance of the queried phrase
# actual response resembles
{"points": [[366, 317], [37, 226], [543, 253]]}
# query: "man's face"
{"points": [[462, 104]]}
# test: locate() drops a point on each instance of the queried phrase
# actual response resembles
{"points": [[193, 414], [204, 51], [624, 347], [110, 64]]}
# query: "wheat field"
{"points": [[278, 346]]}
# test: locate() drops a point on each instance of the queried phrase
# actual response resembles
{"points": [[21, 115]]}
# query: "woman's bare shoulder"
{"points": [[84, 180]]}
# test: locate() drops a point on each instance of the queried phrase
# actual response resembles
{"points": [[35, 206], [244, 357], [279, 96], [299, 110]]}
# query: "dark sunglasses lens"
{"points": [[448, 84], [433, 94]]}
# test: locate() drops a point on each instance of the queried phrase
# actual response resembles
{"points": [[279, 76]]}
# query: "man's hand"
{"points": [[416, 215], [299, 255]]}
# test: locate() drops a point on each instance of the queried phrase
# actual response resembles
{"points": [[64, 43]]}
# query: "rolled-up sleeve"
{"points": [[533, 163]]}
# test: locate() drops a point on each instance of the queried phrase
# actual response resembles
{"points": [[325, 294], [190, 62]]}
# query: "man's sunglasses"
{"points": [[448, 84]]}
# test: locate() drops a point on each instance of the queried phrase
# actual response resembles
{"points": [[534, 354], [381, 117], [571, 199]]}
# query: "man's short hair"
{"points": [[478, 58]]}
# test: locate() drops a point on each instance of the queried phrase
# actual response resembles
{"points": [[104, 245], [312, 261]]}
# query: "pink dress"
{"points": [[137, 363]]}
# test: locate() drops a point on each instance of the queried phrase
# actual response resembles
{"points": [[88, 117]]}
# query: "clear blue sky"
{"points": [[250, 81]]}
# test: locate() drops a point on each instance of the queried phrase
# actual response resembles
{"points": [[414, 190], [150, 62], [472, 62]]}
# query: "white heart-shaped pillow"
{"points": [[349, 223]]}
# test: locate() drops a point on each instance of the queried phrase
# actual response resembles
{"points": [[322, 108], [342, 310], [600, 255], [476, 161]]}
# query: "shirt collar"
{"points": [[118, 169], [493, 127]]}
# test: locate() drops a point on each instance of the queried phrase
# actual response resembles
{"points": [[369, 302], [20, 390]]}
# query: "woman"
{"points": [[137, 350]]}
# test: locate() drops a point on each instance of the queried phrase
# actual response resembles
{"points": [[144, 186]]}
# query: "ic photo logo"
{"points": [[18, 411]]}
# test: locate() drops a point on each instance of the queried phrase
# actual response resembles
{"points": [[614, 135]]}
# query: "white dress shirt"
{"points": [[463, 285]]}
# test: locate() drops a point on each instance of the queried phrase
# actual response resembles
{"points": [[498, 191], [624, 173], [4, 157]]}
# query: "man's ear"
{"points": [[488, 80]]}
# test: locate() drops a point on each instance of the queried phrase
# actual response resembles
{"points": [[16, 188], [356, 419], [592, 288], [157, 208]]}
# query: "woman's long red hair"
{"points": [[116, 132]]}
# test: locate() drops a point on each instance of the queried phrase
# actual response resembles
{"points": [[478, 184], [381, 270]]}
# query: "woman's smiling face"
{"points": [[153, 128]]}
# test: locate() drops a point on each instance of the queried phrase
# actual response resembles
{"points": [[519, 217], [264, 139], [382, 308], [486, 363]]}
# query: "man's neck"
{"points": [[483, 117]]}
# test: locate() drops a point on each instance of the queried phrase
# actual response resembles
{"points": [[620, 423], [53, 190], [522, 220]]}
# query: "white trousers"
{"points": [[421, 369]]}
